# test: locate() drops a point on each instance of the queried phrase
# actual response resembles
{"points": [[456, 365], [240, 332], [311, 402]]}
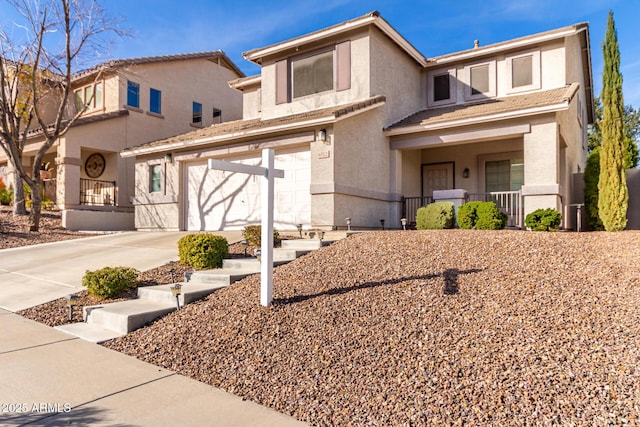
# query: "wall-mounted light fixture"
{"points": [[322, 135], [465, 173], [168, 158]]}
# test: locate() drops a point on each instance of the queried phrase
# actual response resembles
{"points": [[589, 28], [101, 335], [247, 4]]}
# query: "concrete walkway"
{"points": [[49, 378], [52, 379], [33, 275]]}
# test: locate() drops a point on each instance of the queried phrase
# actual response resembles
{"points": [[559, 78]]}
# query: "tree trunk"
{"points": [[19, 205], [36, 208]]}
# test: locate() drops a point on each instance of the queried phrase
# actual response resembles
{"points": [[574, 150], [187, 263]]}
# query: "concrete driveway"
{"points": [[33, 275]]}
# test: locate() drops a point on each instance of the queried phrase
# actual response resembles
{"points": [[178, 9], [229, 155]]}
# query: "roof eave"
{"points": [[372, 18], [407, 130]]}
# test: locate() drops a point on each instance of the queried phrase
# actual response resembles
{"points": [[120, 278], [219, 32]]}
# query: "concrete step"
{"points": [[241, 263], [90, 332], [190, 291], [126, 316], [304, 244], [222, 276]]}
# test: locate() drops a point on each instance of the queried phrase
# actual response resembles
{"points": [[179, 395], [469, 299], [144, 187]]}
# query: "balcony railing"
{"points": [[97, 193]]}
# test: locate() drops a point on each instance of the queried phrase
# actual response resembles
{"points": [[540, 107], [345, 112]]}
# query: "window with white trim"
{"points": [[441, 87], [155, 178], [481, 80], [523, 72], [90, 96], [504, 175]]}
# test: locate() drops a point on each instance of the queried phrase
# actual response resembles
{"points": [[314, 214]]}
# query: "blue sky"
{"points": [[162, 27]]}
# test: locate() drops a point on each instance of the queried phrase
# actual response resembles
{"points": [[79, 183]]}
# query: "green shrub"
{"points": [[203, 250], [467, 215], [253, 235], [591, 178], [490, 217], [481, 216], [435, 216], [110, 281], [6, 196], [543, 220]]}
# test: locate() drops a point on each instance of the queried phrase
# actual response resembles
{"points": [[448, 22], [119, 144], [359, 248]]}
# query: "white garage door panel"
{"points": [[219, 200]]}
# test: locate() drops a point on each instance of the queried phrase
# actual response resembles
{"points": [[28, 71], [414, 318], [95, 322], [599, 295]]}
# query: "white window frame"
{"points": [[491, 93], [431, 102], [80, 94], [536, 83], [496, 157]]}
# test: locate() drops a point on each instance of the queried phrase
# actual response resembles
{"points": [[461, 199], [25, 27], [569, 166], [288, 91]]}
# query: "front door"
{"points": [[436, 176]]}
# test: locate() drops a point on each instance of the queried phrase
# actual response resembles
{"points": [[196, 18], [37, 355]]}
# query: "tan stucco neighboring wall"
{"points": [[161, 210], [360, 80], [251, 103], [397, 76]]}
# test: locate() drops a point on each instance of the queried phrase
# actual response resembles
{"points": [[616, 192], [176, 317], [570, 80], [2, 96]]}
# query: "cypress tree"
{"points": [[612, 185]]}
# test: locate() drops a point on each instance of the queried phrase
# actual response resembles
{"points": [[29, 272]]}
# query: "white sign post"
{"points": [[268, 171]]}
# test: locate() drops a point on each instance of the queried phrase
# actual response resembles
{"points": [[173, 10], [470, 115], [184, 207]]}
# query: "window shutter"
{"points": [[343, 66], [282, 81]]}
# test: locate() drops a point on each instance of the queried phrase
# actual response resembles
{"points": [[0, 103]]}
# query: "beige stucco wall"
{"points": [[360, 80], [397, 76], [251, 103]]}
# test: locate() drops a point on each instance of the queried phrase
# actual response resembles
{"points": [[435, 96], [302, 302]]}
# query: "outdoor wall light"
{"points": [[403, 221], [176, 290], [322, 135], [382, 223], [348, 221], [71, 301], [299, 227], [465, 173], [168, 157]]}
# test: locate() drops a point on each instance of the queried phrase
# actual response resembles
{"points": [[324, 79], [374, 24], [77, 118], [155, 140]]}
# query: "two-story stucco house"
{"points": [[130, 102], [366, 127]]}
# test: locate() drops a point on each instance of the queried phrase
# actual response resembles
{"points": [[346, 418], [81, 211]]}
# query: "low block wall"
{"points": [[97, 220]]}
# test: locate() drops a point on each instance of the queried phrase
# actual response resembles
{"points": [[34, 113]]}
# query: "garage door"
{"points": [[219, 200]]}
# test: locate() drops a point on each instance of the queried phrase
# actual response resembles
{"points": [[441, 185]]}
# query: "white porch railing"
{"points": [[509, 202]]}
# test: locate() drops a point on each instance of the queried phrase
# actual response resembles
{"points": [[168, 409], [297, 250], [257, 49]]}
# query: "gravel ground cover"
{"points": [[459, 327], [14, 230]]}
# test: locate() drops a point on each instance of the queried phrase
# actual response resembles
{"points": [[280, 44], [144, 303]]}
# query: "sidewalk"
{"points": [[50, 379]]}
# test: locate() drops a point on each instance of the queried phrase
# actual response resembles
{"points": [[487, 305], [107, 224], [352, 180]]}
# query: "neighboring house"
{"points": [[130, 102], [365, 127]]}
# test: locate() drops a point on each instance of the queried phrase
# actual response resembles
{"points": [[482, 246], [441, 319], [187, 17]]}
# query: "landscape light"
{"points": [[299, 227], [348, 221], [176, 290], [403, 221], [71, 301]]}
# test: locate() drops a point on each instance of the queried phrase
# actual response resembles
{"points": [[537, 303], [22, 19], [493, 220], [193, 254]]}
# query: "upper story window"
{"points": [[481, 80], [217, 115], [312, 74], [316, 72], [523, 72], [90, 96], [441, 87], [197, 113], [133, 94], [155, 101]]}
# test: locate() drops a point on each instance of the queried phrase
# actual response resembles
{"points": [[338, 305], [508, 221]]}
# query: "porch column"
{"points": [[541, 188], [68, 182]]}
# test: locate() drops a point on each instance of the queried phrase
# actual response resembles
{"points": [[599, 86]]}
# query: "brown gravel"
{"points": [[457, 327], [14, 230]]}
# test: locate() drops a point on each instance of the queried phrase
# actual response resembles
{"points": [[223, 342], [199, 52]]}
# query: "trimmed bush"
{"points": [[435, 216], [203, 251], [253, 235], [468, 215], [110, 281], [490, 217], [481, 216], [6, 196], [543, 220]]}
